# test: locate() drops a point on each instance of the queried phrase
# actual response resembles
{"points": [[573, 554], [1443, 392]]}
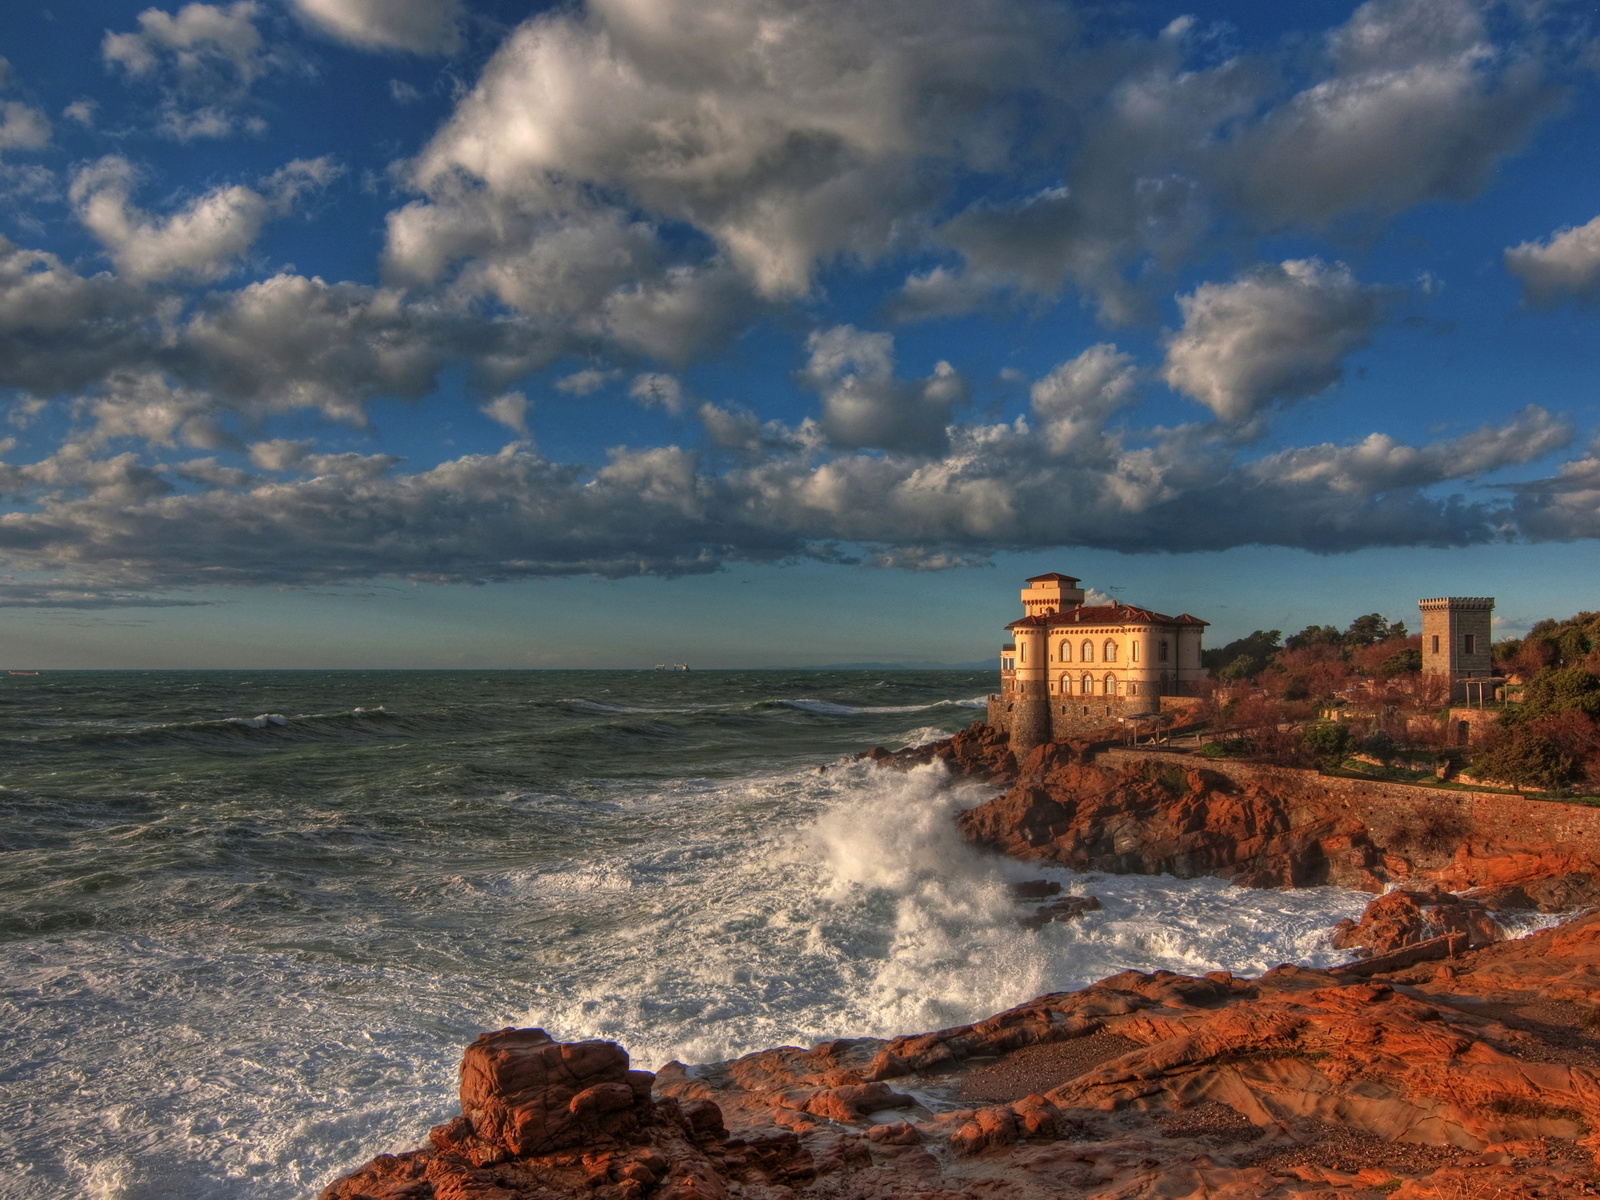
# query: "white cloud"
{"points": [[586, 381], [863, 404], [1421, 104], [1074, 401], [280, 454], [22, 127], [202, 241], [509, 409], [82, 111], [202, 46], [146, 405], [1565, 264], [202, 60], [418, 26], [656, 390], [1277, 333]]}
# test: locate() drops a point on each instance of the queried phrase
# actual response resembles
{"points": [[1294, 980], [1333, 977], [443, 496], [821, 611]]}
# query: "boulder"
{"points": [[523, 1090], [1406, 917]]}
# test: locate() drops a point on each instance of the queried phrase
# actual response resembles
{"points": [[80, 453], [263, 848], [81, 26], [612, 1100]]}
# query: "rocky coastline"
{"points": [[1445, 1061]]}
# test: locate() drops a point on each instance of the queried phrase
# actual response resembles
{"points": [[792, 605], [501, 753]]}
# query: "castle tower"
{"points": [[1456, 640], [1030, 718], [1050, 593]]}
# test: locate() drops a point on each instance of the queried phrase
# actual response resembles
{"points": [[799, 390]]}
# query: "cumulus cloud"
{"points": [[864, 404], [146, 405], [1566, 264], [1408, 101], [203, 241], [1276, 334], [22, 127], [509, 409], [656, 390], [586, 381], [417, 26], [203, 60], [1074, 401], [1421, 104], [119, 524]]}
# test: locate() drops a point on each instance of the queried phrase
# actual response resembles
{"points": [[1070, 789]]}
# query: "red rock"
{"points": [[1407, 917], [531, 1095]]}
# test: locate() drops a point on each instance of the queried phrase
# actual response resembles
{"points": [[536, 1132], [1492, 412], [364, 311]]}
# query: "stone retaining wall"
{"points": [[1494, 820]]}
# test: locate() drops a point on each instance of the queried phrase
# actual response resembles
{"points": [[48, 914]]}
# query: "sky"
{"points": [[463, 333]]}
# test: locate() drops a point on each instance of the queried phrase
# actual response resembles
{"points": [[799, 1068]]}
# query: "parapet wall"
{"points": [[1490, 820]]}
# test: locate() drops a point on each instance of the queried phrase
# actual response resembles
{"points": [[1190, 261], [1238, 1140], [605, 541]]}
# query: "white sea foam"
{"points": [[828, 708], [723, 917]]}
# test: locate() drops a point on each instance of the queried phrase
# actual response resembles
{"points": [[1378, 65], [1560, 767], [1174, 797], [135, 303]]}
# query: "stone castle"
{"points": [[1074, 668]]}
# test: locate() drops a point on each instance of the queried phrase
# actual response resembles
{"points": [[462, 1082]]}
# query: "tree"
{"points": [[1245, 658], [1557, 689], [1314, 635]]}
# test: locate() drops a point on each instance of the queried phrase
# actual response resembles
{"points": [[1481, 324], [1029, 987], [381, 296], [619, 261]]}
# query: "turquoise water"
{"points": [[250, 919]]}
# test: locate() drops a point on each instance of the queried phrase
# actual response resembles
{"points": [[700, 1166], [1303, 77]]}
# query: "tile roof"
{"points": [[1105, 614]]}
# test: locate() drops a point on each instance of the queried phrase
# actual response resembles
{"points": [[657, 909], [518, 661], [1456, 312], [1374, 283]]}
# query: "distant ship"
{"points": [[675, 666], [35, 672]]}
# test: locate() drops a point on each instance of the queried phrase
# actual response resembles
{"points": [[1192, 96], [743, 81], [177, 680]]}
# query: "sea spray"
{"points": [[237, 956]]}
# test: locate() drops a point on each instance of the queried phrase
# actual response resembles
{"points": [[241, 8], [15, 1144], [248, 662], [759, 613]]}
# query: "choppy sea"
{"points": [[249, 920]]}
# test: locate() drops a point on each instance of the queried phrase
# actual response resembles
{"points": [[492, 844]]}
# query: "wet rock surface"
{"points": [[1446, 1064], [1478, 1072]]}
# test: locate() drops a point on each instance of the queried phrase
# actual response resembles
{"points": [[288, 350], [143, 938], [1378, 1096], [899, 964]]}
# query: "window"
{"points": [[1163, 650], [1469, 643], [1087, 653], [1065, 654], [1111, 686], [1435, 649], [1022, 651], [1133, 689], [1087, 682], [1135, 651], [1109, 653], [1066, 686]]}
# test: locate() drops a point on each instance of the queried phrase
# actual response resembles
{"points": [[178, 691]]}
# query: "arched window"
{"points": [[1087, 653], [1066, 685], [1109, 652], [1065, 654], [1163, 649], [1111, 685], [1088, 684]]}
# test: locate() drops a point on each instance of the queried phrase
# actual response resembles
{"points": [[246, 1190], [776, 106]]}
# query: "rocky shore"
{"points": [[1444, 1062]]}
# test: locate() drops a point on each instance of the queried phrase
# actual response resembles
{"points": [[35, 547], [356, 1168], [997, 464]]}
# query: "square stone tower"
{"points": [[1456, 637]]}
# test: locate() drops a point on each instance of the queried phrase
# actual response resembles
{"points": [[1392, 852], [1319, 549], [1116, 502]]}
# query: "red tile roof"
{"points": [[1052, 575], [1105, 614]]}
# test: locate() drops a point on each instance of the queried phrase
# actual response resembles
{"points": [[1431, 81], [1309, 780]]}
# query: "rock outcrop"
{"points": [[1406, 918], [977, 752], [1473, 1077], [1174, 815]]}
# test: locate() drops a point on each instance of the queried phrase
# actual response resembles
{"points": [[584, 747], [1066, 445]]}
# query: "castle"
{"points": [[1074, 668]]}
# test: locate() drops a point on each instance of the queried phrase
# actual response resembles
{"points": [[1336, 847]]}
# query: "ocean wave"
{"points": [[829, 708], [357, 722]]}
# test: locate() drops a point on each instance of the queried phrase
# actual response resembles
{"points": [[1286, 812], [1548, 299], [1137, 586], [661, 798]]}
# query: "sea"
{"points": [[250, 919]]}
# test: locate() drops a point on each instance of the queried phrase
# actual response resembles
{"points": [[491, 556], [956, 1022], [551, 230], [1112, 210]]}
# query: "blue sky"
{"points": [[772, 332]]}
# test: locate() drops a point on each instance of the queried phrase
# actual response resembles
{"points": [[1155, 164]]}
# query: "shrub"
{"points": [[1328, 741], [1379, 745], [1527, 759]]}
